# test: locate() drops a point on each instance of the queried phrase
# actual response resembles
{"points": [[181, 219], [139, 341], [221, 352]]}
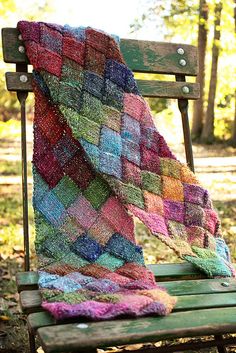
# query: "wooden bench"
{"points": [[205, 306]]}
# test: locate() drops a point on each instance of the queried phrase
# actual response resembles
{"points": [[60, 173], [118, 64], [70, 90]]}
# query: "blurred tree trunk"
{"points": [[198, 109], [234, 126], [208, 128]]}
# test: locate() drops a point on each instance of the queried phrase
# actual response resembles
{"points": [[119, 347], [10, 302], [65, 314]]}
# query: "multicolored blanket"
{"points": [[98, 161]]}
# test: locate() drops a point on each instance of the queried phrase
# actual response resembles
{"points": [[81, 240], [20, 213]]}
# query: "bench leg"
{"points": [[32, 342], [220, 347]]}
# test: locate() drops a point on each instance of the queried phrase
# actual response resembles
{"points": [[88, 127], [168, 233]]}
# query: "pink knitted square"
{"points": [[117, 215], [154, 222], [83, 212], [210, 220], [131, 172], [153, 203], [134, 105]]}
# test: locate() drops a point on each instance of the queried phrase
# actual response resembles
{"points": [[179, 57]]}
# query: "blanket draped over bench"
{"points": [[98, 160]]}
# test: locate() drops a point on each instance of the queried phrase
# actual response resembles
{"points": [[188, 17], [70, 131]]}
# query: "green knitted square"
{"points": [[43, 230], [66, 191], [71, 76], [109, 261], [170, 167], [81, 126], [132, 195], [52, 82], [97, 192], [92, 108], [70, 298], [113, 118], [152, 182], [74, 260]]}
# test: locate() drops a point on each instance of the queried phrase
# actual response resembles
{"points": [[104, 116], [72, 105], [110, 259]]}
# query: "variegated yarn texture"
{"points": [[98, 161]]}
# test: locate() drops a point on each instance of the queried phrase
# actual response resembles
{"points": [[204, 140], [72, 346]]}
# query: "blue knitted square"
{"points": [[93, 84], [131, 151], [124, 249], [116, 72], [40, 186], [110, 164], [51, 208], [65, 150], [92, 151], [113, 95], [130, 128], [110, 141], [87, 248]]}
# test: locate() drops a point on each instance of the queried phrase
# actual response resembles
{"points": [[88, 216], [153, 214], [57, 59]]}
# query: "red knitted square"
{"points": [[74, 50], [79, 171], [94, 60], [49, 168], [134, 105], [113, 52], [97, 40], [150, 160], [131, 173], [49, 61], [51, 126]]}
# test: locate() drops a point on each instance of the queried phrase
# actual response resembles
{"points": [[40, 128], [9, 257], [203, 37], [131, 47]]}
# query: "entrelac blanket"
{"points": [[98, 161]]}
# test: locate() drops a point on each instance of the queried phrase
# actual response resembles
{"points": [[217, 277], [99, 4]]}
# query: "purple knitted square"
{"points": [[194, 194], [194, 215], [51, 39], [130, 128], [116, 72], [174, 210], [93, 84], [110, 165], [83, 212], [131, 151]]}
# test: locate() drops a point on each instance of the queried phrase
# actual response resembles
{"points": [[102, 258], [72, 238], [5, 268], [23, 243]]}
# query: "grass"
{"points": [[222, 186]]}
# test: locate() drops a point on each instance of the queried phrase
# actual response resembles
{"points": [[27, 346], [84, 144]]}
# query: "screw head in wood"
{"points": [[23, 78], [82, 326], [180, 51], [225, 284], [21, 49], [183, 62], [185, 89], [20, 37]]}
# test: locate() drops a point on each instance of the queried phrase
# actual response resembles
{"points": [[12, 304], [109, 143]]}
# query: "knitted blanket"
{"points": [[98, 160]]}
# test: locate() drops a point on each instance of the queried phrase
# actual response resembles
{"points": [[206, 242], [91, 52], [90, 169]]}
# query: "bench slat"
{"points": [[140, 55], [184, 303], [148, 88], [162, 272], [31, 300], [147, 329]]}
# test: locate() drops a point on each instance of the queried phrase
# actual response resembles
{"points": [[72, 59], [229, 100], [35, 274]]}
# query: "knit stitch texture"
{"points": [[98, 159]]}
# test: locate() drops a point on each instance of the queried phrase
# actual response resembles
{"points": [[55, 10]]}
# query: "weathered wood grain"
{"points": [[26, 281], [30, 301], [21, 81], [140, 55], [149, 329]]}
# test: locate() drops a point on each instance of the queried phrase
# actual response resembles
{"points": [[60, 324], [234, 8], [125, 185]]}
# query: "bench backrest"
{"points": [[180, 60]]}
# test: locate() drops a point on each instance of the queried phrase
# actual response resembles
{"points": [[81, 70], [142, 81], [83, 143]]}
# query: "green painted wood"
{"points": [[72, 338], [148, 88], [41, 319], [202, 286], [30, 301], [10, 46], [26, 280], [159, 57], [140, 56], [168, 89]]}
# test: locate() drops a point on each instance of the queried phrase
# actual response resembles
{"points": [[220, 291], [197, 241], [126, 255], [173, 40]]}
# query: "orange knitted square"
{"points": [[153, 203], [172, 189]]}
